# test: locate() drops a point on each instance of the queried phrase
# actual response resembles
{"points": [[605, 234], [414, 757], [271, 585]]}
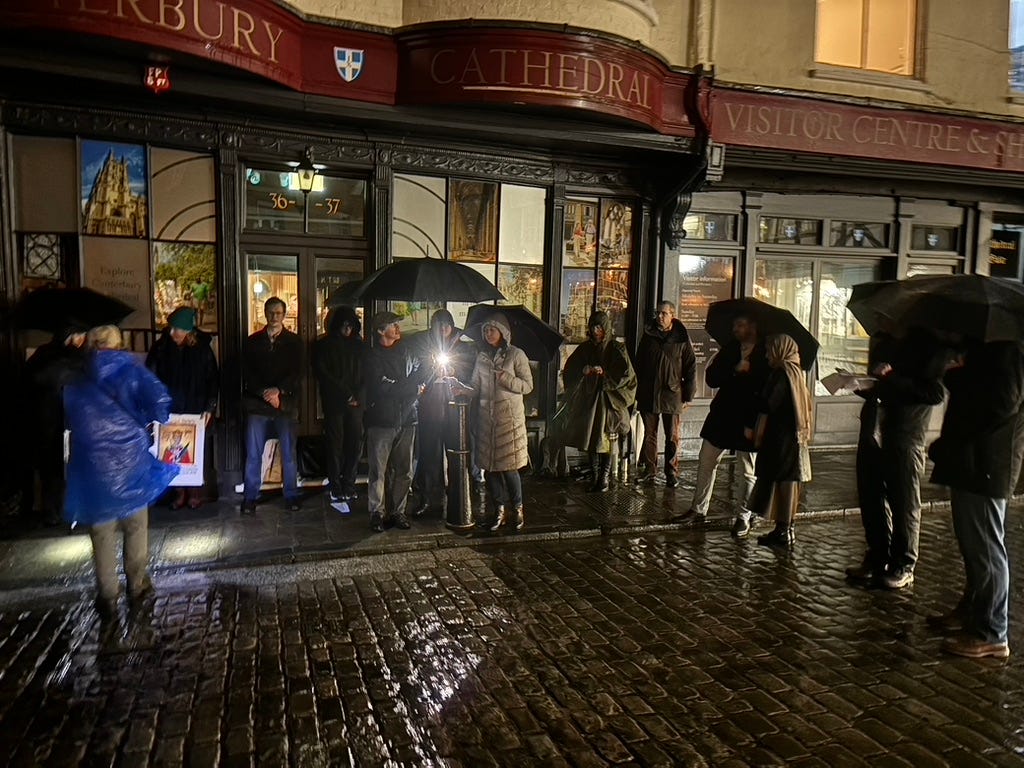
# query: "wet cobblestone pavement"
{"points": [[655, 649]]}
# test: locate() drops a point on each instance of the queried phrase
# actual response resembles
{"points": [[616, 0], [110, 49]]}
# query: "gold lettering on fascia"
{"points": [[823, 125], [226, 24], [538, 71]]}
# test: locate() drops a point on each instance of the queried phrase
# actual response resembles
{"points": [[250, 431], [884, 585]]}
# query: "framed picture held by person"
{"points": [[181, 442]]}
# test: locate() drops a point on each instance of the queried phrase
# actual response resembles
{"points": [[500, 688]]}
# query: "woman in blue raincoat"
{"points": [[112, 476]]}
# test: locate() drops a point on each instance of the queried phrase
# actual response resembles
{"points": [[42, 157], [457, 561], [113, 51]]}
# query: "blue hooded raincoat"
{"points": [[111, 473]]}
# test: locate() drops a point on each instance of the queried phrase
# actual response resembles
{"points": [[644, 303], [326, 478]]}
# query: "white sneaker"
{"points": [[341, 507]]}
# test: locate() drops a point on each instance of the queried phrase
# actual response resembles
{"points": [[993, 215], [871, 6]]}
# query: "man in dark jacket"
{"points": [[978, 455], [666, 372], [338, 367], [394, 379], [272, 372], [739, 372], [908, 386]]}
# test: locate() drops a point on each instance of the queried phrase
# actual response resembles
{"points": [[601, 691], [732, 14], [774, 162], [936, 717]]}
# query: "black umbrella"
{"points": [[770, 321], [419, 280], [57, 309], [536, 338], [978, 307]]}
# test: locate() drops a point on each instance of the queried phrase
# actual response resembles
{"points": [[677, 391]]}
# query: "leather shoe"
{"points": [[974, 647], [780, 538], [293, 505], [865, 572], [946, 622], [376, 524], [671, 480], [401, 521], [690, 516], [249, 508]]}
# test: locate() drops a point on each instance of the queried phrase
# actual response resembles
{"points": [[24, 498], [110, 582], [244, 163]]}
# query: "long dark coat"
{"points": [[597, 406], [666, 369], [338, 363], [982, 441], [780, 457], [189, 372], [734, 407]]}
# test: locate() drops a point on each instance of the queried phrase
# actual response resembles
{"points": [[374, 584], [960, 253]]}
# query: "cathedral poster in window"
{"points": [[473, 221], [114, 189]]}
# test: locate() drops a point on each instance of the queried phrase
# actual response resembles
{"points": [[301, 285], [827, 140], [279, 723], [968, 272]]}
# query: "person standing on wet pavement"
{"points": [[112, 476], [338, 360], [666, 372], [272, 375], [782, 436], [501, 377], [447, 357], [738, 372], [978, 456], [51, 367], [601, 383], [907, 387], [394, 379], [184, 361]]}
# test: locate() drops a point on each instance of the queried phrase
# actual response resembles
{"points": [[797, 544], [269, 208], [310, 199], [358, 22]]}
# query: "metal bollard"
{"points": [[459, 512]]}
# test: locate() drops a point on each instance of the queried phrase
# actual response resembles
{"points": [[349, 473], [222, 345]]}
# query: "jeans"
{"points": [[136, 554], [256, 433], [343, 432], [672, 423], [389, 454], [979, 523], [506, 489], [707, 469]]}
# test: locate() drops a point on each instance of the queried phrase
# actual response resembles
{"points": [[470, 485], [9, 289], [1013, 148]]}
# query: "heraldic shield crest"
{"points": [[349, 62]]}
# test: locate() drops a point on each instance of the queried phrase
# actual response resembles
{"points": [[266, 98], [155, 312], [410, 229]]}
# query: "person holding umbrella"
{"points": [[183, 360], [112, 476], [978, 455], [601, 383], [738, 372], [500, 378], [782, 436], [666, 370]]}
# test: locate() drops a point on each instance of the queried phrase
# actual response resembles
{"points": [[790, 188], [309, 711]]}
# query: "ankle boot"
{"points": [[781, 538], [604, 470], [520, 518], [502, 518]]}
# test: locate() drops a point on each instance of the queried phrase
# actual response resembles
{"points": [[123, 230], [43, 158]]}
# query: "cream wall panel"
{"points": [[625, 18], [672, 37], [384, 13]]}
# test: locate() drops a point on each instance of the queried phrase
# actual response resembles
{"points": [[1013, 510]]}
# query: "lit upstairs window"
{"points": [[1017, 46], [875, 35]]}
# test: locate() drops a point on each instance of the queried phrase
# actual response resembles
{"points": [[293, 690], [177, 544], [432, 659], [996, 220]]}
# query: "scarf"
{"points": [[783, 353]]}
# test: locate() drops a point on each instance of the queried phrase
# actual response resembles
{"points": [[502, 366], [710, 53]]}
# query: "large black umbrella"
{"points": [[57, 309], [978, 307], [770, 321], [419, 280], [536, 338]]}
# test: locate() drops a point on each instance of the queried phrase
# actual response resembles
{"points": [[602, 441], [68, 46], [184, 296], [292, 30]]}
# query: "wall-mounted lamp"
{"points": [[306, 172]]}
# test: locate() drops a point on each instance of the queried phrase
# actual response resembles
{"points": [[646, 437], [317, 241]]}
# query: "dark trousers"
{"points": [[903, 459], [874, 515], [672, 423], [506, 489], [343, 431], [432, 438]]}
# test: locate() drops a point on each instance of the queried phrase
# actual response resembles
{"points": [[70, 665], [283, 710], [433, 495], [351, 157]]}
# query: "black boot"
{"points": [[782, 538], [604, 471]]}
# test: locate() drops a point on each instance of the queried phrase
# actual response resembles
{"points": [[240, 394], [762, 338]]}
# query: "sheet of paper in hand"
{"points": [[180, 441], [846, 382]]}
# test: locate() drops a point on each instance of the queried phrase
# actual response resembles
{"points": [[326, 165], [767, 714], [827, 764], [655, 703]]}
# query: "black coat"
{"points": [[908, 392], [666, 369], [393, 378], [52, 366], [982, 441], [734, 407], [267, 364], [338, 366], [189, 372]]}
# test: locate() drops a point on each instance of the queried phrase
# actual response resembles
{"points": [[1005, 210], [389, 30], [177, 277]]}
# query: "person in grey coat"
{"points": [[501, 377]]}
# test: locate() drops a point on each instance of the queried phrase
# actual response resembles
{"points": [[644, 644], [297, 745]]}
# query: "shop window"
{"points": [[790, 231], [857, 234], [48, 259], [788, 284], [1004, 246], [693, 282], [710, 226], [597, 253], [919, 268], [274, 202], [928, 238], [185, 274], [876, 35], [844, 342], [1017, 45], [472, 221], [272, 275]]}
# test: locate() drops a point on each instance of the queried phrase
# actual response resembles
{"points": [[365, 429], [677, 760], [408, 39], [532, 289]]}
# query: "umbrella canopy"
{"points": [[419, 280], [770, 320], [978, 307], [536, 338], [57, 309]]}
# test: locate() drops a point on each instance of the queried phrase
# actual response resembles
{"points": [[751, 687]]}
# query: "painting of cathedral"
{"points": [[114, 199]]}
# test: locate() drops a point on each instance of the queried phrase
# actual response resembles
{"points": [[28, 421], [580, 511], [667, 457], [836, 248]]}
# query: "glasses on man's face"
{"points": [[275, 312]]}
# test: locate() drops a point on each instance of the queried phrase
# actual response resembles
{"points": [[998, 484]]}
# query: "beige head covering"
{"points": [[785, 354]]}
